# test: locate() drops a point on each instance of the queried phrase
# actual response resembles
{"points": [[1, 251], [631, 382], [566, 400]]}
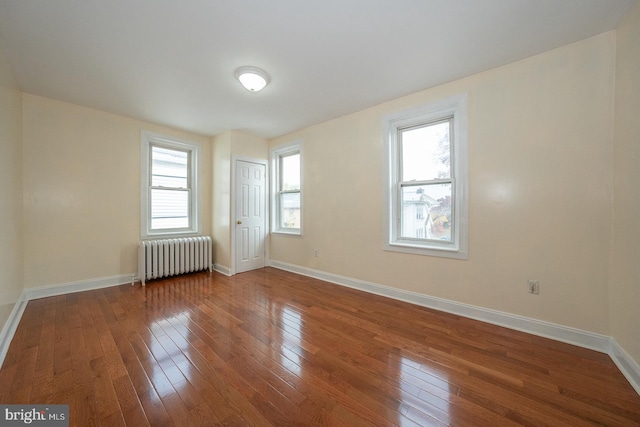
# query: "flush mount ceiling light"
{"points": [[252, 78]]}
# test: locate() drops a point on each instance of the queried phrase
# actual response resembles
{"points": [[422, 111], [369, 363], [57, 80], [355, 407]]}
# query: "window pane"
{"points": [[426, 212], [169, 209], [290, 172], [290, 213], [169, 167], [426, 152]]}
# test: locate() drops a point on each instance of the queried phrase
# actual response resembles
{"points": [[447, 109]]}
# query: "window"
{"points": [[287, 189], [426, 203], [169, 179]]}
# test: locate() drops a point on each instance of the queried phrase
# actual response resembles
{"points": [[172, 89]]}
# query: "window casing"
{"points": [[287, 189], [169, 205], [426, 179]]}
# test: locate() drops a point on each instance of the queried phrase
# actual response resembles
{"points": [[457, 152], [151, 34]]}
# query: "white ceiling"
{"points": [[172, 62]]}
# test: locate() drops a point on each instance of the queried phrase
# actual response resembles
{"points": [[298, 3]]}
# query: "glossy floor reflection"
{"points": [[273, 348]]}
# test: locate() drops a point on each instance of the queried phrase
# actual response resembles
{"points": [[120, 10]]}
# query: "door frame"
{"points": [[232, 199]]}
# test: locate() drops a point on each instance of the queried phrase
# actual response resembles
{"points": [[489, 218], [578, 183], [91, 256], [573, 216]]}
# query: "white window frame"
{"points": [[149, 140], [276, 154], [456, 108]]}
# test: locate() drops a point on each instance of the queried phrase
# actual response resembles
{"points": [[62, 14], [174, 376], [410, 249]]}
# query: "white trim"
{"points": [[274, 155], [11, 325], [629, 367], [79, 286], [194, 148], [456, 107], [222, 269]]}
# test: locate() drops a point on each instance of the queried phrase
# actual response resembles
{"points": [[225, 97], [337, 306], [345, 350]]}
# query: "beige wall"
{"points": [[226, 146], [541, 166], [10, 191], [82, 191], [540, 179], [625, 277], [222, 200]]}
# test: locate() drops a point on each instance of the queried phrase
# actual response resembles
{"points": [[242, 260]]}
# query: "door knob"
{"points": [[238, 222]]}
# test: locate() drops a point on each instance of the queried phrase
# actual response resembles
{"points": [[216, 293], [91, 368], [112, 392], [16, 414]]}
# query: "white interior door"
{"points": [[251, 217]]}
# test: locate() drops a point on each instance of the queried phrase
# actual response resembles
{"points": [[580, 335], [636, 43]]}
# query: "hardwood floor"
{"points": [[269, 347]]}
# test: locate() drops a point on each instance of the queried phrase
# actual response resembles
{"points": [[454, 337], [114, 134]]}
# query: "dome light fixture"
{"points": [[252, 78]]}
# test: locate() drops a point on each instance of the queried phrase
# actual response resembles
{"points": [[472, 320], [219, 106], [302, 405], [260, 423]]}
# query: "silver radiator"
{"points": [[169, 257]]}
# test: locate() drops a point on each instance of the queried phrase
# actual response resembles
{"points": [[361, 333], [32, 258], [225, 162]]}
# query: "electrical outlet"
{"points": [[533, 286], [316, 253]]}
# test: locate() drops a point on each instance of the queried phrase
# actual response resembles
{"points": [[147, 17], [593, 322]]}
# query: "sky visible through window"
{"points": [[291, 172], [426, 154]]}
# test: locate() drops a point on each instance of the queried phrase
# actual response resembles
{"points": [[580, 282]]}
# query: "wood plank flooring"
{"points": [[270, 347]]}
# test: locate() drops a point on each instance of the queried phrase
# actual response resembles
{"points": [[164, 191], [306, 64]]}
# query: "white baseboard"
{"points": [[585, 339], [222, 269], [10, 326], [605, 344], [79, 286], [9, 329], [629, 367]]}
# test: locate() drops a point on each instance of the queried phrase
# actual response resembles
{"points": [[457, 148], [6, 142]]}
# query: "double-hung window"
{"points": [[287, 189], [426, 185], [169, 179]]}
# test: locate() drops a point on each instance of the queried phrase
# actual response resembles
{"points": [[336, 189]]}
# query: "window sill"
{"points": [[442, 252], [170, 235], [287, 233]]}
